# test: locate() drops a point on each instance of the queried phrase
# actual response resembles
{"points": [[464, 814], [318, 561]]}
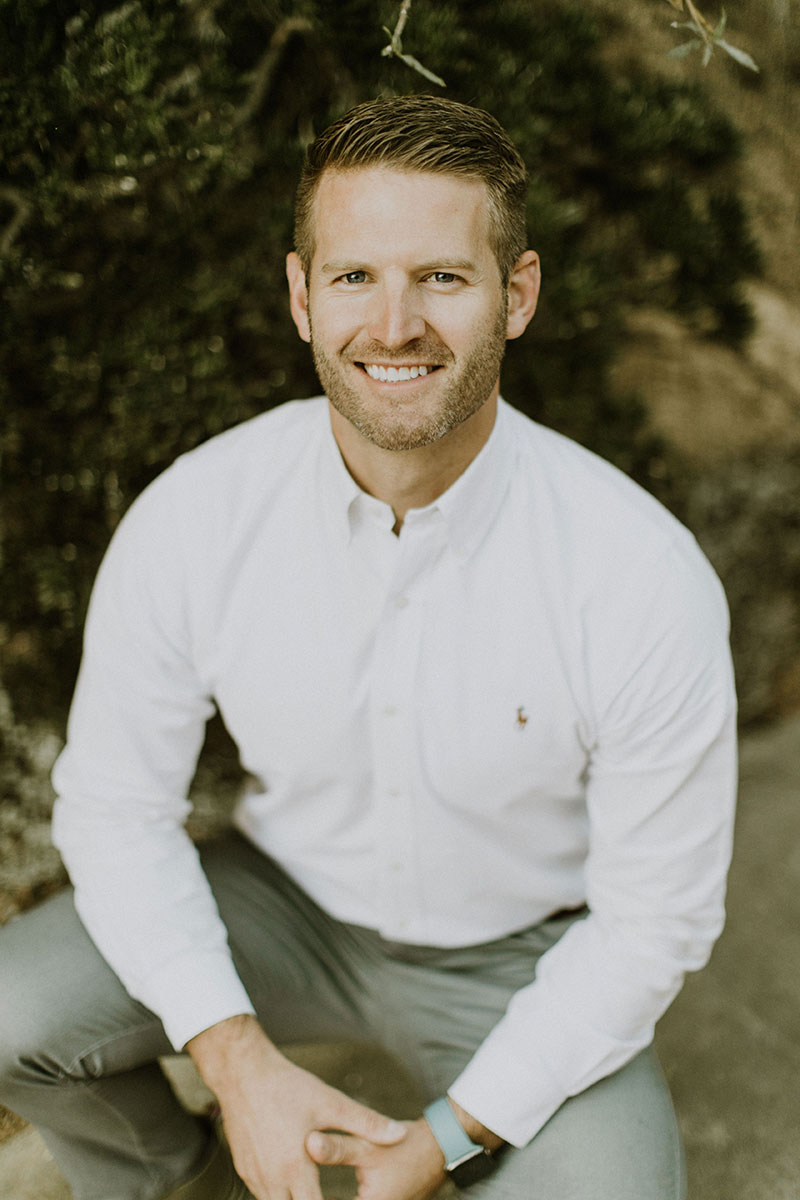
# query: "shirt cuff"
{"points": [[192, 994], [510, 1093]]}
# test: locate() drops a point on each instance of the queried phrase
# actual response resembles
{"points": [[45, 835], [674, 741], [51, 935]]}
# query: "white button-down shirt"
{"points": [[521, 703]]}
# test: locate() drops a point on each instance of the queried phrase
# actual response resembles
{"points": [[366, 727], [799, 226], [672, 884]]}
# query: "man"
{"points": [[481, 685]]}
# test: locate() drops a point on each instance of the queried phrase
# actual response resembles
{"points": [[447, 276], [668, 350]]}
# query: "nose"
{"points": [[396, 317]]}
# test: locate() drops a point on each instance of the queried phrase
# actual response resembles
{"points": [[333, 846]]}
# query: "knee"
{"points": [[21, 1050], [22, 1046], [63, 1012], [34, 999], [25, 1021]]}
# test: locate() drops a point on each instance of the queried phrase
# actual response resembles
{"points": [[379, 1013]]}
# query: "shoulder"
{"points": [[645, 612], [589, 500], [610, 545], [237, 466], [212, 495], [262, 442]]}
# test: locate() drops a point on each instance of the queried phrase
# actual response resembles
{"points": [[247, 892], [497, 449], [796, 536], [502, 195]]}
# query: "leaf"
{"points": [[741, 56], [684, 50], [721, 27], [708, 50], [417, 66]]}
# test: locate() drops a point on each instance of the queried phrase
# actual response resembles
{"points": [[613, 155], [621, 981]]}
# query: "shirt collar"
{"points": [[468, 507]]}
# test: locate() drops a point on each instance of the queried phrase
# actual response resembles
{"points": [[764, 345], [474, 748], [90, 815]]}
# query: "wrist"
{"points": [[222, 1052], [466, 1159], [474, 1130]]}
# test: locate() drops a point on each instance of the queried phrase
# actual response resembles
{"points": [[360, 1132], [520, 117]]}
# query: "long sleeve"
{"points": [[135, 731], [660, 796]]}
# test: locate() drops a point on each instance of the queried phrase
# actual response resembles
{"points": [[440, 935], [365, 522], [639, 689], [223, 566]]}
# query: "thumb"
{"points": [[371, 1125], [335, 1149]]}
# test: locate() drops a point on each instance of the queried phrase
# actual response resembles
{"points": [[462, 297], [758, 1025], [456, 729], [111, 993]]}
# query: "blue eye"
{"points": [[355, 277], [444, 277]]}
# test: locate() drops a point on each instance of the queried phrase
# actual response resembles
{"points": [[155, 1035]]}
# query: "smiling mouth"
{"points": [[393, 374]]}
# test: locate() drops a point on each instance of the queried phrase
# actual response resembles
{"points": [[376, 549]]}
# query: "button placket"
{"points": [[393, 738]]}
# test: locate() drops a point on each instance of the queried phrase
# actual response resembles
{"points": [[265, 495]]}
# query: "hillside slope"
{"points": [[734, 415]]}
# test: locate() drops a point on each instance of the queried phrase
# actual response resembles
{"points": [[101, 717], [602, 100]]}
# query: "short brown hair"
{"points": [[422, 133]]}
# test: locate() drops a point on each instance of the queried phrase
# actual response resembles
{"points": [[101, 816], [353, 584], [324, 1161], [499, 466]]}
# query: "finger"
{"points": [[364, 1122], [306, 1186], [336, 1149], [297, 1181]]}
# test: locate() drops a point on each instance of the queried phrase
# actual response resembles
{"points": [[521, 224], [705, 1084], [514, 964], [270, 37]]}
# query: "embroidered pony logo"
{"points": [[522, 719]]}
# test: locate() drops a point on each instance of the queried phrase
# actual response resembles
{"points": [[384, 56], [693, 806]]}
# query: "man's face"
{"points": [[404, 308]]}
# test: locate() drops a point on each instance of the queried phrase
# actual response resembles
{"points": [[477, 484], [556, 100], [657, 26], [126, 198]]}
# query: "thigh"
{"points": [[618, 1140], [296, 961]]}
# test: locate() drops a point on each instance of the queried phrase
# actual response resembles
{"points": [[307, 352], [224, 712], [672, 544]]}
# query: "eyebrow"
{"points": [[446, 264], [338, 268], [449, 264]]}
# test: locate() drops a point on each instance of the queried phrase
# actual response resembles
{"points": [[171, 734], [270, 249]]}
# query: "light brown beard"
{"points": [[466, 392]]}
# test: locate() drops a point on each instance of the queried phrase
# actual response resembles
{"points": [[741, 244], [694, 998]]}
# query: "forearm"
{"points": [[222, 1052]]}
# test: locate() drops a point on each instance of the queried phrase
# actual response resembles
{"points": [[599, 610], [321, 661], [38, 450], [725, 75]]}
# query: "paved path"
{"points": [[730, 1044], [731, 1041]]}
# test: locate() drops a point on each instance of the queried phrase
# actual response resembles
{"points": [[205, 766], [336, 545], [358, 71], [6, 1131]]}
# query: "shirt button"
{"points": [[401, 602], [390, 710]]}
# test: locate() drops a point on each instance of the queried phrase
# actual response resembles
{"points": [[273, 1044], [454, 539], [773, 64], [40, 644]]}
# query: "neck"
{"points": [[407, 479]]}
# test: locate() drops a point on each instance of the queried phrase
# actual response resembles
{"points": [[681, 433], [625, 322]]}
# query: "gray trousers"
{"points": [[78, 1056]]}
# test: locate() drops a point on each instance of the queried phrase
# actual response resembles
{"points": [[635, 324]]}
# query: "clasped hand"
{"points": [[279, 1120], [410, 1169]]}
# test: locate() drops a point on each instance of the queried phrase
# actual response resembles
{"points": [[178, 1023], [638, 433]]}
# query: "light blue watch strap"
{"points": [[449, 1133]]}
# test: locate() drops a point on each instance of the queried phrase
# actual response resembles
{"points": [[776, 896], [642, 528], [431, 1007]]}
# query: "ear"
{"points": [[298, 295], [523, 293]]}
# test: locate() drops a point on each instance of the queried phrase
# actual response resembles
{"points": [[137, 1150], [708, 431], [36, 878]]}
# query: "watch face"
{"points": [[471, 1168]]}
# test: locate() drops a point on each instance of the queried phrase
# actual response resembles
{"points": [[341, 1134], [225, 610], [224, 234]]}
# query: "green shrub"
{"points": [[150, 152]]}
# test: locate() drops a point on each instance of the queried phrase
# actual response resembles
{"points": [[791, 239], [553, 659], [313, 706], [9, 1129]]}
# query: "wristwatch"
{"points": [[464, 1160]]}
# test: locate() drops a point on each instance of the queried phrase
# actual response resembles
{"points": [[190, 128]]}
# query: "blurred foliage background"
{"points": [[149, 156]]}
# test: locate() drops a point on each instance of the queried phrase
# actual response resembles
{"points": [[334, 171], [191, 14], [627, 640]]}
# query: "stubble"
{"points": [[398, 425]]}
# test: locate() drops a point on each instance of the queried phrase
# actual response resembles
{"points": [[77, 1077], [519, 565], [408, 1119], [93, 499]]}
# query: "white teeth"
{"points": [[393, 374]]}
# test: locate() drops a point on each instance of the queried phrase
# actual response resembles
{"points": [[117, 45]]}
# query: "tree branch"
{"points": [[264, 73], [395, 47], [23, 209]]}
